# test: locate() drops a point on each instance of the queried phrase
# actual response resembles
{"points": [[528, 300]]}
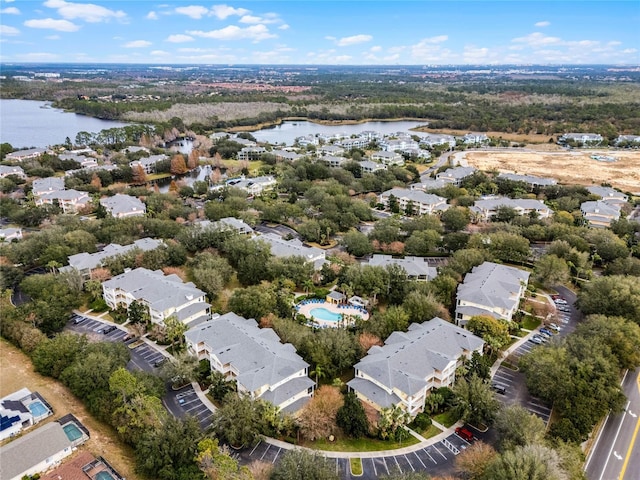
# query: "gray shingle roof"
{"points": [[256, 353], [88, 261], [50, 184], [292, 248], [414, 266], [27, 451], [529, 179], [408, 359], [417, 196], [122, 204], [160, 291]]}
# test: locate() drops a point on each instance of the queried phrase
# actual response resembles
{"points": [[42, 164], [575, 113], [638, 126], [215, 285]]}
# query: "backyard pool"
{"points": [[104, 476], [38, 409], [320, 313], [72, 431]]}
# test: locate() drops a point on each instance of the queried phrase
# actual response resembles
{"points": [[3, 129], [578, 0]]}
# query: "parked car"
{"points": [[499, 388], [128, 336], [547, 332], [79, 320], [162, 361], [560, 301], [537, 339], [108, 329], [464, 434], [554, 327], [540, 337]]}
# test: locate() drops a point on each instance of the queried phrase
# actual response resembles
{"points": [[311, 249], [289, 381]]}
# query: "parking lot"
{"points": [[434, 459], [186, 402], [95, 328]]}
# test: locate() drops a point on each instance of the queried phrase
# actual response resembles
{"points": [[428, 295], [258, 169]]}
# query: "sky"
{"points": [[378, 32]]}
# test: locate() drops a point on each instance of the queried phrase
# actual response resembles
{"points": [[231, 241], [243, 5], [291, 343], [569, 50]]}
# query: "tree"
{"points": [[139, 175], [383, 324], [138, 313], [475, 402], [493, 331], [178, 165], [217, 463], [472, 462], [531, 462], [517, 427], [455, 219], [53, 356], [238, 422], [422, 243], [421, 308], [351, 417], [551, 270], [357, 243], [622, 336], [318, 417], [615, 296], [255, 301], [391, 423], [182, 369], [174, 330], [393, 204], [298, 464], [169, 451]]}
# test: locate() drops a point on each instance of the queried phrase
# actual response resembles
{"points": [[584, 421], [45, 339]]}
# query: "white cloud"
{"points": [[10, 11], [266, 19], [194, 11], [375, 48], [179, 38], [435, 40], [542, 24], [232, 32], [284, 26], [537, 39], [7, 31], [53, 24], [629, 50], [430, 50], [160, 53], [152, 15], [137, 44], [224, 11], [52, 37], [85, 11], [352, 40]]}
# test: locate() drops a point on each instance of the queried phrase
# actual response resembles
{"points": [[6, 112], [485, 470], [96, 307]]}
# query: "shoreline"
{"points": [[330, 123]]}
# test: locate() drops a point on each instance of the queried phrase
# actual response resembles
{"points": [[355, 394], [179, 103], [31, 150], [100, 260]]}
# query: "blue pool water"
{"points": [[37, 409], [104, 476], [324, 314], [72, 431]]}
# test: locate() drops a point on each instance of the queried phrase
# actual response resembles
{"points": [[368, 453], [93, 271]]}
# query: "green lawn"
{"points": [[447, 418], [356, 466], [364, 444], [530, 323], [431, 431]]}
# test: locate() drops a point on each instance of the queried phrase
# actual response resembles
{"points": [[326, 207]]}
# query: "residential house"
{"points": [[416, 268], [581, 139], [609, 195], [333, 162], [485, 209], [6, 170], [245, 142], [148, 164], [20, 410], [293, 248], [21, 155], [427, 183], [474, 138], [70, 201], [387, 158], [253, 186], [530, 180], [333, 150], [431, 140], [410, 364], [123, 206], [251, 153], [307, 140], [367, 166], [630, 140], [282, 155], [38, 451], [84, 162], [490, 289], [423, 203], [600, 214], [134, 149], [84, 263], [254, 357], [83, 466], [392, 145], [43, 186], [163, 295], [230, 224], [9, 234], [456, 175], [219, 136], [357, 142]]}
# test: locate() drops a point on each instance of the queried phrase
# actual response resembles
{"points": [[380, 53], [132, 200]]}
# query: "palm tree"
{"points": [[319, 372], [308, 285]]}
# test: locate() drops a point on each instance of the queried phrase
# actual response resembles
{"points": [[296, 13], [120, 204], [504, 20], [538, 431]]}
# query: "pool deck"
{"points": [[341, 309]]}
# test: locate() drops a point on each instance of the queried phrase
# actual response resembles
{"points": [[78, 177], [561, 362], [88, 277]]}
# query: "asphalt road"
{"points": [[616, 452]]}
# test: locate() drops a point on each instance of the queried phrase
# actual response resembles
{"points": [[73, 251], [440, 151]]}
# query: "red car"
{"points": [[464, 434]]}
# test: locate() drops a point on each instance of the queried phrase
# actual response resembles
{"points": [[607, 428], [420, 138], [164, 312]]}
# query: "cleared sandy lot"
{"points": [[569, 167]]}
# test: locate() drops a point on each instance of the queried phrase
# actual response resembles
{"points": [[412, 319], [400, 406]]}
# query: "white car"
{"points": [[554, 326]]}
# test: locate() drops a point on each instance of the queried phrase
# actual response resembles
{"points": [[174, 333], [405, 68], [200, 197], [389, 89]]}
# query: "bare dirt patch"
{"points": [[16, 372], [568, 167]]}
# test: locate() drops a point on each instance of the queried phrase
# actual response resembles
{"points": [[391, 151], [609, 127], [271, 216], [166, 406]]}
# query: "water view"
{"points": [[288, 131], [30, 123]]}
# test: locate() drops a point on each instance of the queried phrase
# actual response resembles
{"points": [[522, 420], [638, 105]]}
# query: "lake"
{"points": [[30, 123], [288, 131]]}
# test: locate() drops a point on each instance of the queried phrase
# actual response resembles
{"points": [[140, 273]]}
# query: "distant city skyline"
{"points": [[321, 32]]}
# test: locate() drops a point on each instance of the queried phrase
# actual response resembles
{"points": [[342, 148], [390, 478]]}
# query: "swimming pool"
{"points": [[72, 431], [321, 313], [104, 476], [37, 409]]}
